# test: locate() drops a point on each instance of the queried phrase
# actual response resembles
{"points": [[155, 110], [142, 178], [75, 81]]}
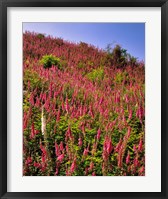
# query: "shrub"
{"points": [[96, 75], [83, 44], [49, 60], [40, 36], [117, 56], [59, 42]]}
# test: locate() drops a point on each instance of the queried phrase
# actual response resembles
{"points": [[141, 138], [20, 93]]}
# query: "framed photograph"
{"points": [[83, 104]]}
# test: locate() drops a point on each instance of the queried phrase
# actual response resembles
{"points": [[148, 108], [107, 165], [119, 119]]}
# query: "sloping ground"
{"points": [[83, 118]]}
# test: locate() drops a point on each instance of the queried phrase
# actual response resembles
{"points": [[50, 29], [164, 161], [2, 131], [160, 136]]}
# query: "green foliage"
{"points": [[132, 60], [90, 63], [83, 44], [96, 75], [81, 65], [119, 57], [35, 81], [40, 36], [59, 41], [50, 60], [120, 77]]}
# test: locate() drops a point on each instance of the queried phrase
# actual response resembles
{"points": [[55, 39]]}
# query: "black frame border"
{"points": [[4, 4]]}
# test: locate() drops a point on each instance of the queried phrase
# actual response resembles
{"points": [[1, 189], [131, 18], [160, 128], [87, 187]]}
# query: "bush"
{"points": [[83, 44], [40, 36], [117, 56], [49, 60], [59, 42], [96, 75]]}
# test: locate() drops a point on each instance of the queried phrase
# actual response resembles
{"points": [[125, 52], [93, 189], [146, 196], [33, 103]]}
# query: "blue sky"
{"points": [[130, 36]]}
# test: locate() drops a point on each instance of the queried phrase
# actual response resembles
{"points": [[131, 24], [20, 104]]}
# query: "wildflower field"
{"points": [[83, 109]]}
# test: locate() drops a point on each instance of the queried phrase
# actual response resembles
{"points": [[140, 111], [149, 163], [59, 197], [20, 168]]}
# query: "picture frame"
{"points": [[4, 4]]}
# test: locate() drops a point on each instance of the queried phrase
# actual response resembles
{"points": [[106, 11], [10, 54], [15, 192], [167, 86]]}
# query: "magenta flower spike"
{"points": [[128, 158]]}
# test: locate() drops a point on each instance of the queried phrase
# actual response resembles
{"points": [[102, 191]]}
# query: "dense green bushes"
{"points": [[50, 60], [119, 57]]}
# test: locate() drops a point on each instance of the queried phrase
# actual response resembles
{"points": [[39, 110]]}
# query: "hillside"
{"points": [[84, 112]]}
